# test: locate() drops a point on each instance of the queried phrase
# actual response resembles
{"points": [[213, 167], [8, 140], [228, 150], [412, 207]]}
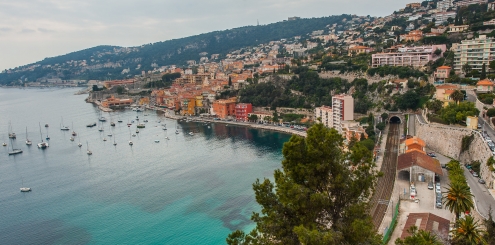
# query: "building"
{"points": [[427, 222], [414, 36], [242, 111], [421, 167], [342, 110], [413, 5], [353, 130], [356, 50], [188, 105], [474, 52], [442, 73], [444, 91], [472, 122], [224, 108], [408, 56], [490, 22], [460, 28], [491, 6], [261, 115], [442, 17], [444, 5], [462, 3], [116, 102], [414, 144], [325, 113], [484, 86]]}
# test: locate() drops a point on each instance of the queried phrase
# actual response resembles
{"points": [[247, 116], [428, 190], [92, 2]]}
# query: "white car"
{"points": [[437, 188]]}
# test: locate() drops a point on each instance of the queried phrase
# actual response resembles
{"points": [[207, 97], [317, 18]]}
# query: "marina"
{"points": [[190, 187]]}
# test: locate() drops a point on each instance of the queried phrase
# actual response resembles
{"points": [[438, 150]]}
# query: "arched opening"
{"points": [[395, 119], [404, 175]]}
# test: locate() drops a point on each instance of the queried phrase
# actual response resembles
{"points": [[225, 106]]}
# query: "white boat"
{"points": [[46, 125], [42, 145], [11, 134], [102, 119], [133, 135], [104, 139], [14, 151], [137, 131], [4, 144], [28, 142], [176, 131], [79, 144], [191, 133], [167, 138], [62, 127], [87, 149], [71, 138], [25, 189], [130, 142], [157, 141]]}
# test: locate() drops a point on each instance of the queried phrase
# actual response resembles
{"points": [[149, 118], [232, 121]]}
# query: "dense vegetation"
{"points": [[318, 197], [401, 71], [456, 113]]}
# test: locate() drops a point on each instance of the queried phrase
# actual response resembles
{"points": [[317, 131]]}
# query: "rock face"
{"points": [[447, 140]]}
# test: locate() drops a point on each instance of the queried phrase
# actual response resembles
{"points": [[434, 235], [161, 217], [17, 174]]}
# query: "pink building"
{"points": [[408, 56]]}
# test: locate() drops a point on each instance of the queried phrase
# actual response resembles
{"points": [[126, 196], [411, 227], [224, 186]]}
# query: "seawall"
{"points": [[447, 140]]}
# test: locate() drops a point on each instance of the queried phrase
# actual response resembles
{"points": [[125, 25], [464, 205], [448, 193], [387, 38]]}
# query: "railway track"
{"points": [[383, 190]]}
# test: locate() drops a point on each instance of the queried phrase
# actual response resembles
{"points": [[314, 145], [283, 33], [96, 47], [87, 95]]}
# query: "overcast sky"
{"points": [[31, 30]]}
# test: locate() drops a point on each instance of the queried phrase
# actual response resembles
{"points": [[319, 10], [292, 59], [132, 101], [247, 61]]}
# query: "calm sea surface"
{"points": [[185, 190]]}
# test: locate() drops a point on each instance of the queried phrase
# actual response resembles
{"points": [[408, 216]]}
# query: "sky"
{"points": [[31, 30]]}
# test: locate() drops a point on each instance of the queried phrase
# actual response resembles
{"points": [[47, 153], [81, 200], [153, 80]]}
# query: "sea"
{"points": [[187, 189]]}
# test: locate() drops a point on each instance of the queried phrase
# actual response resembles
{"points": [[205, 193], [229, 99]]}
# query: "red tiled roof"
{"points": [[485, 82], [427, 223], [417, 158]]}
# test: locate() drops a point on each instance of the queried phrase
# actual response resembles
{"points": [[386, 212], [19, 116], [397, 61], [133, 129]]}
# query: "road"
{"points": [[385, 185], [472, 98], [483, 199], [411, 129]]}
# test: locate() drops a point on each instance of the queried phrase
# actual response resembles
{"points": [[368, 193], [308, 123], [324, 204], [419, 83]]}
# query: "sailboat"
{"points": [[28, 142], [164, 126], [130, 141], [101, 129], [177, 130], [25, 189], [47, 137], [73, 132], [62, 127], [42, 145], [87, 149], [11, 134], [114, 143], [14, 151]]}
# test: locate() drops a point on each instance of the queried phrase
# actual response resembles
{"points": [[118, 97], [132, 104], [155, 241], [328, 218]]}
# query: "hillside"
{"points": [[108, 62]]}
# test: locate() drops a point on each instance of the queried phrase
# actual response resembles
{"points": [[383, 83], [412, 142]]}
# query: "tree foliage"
{"points": [[401, 71], [458, 197], [457, 113], [468, 231], [419, 237], [317, 196]]}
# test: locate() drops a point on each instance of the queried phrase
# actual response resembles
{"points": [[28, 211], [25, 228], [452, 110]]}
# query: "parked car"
{"points": [[479, 126], [431, 154], [412, 190], [481, 181], [438, 188], [475, 174], [439, 203], [430, 185]]}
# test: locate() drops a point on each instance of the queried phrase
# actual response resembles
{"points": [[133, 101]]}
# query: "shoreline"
{"points": [[281, 129]]}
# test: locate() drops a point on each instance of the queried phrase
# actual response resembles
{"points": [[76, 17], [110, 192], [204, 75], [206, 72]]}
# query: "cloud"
{"points": [[27, 31]]}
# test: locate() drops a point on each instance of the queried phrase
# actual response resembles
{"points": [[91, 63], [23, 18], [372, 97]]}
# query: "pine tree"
{"points": [[483, 72]]}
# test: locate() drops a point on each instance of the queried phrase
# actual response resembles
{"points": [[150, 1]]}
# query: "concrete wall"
{"points": [[446, 140]]}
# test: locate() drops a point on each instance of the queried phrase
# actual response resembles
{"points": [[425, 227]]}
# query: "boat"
{"points": [[130, 141], [141, 125], [145, 120], [11, 134], [62, 127], [104, 139], [137, 131], [166, 137], [191, 133], [73, 132], [133, 135], [46, 125], [28, 142], [4, 144], [157, 141], [102, 119], [109, 135], [91, 125], [25, 189], [87, 149], [42, 145], [119, 121], [71, 138], [176, 131], [79, 144], [114, 143], [112, 124], [101, 129], [14, 151]]}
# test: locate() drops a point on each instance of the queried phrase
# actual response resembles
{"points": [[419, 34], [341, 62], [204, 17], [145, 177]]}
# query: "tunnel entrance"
{"points": [[395, 119]]}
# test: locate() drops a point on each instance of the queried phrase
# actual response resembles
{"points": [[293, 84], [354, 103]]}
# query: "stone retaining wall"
{"points": [[447, 140]]}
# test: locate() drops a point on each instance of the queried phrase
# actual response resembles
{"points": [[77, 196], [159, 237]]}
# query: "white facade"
{"points": [[342, 109], [326, 115], [443, 17], [442, 6], [474, 52]]}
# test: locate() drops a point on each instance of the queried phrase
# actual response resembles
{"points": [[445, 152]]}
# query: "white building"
{"points": [[442, 17], [342, 110], [474, 52], [444, 5], [326, 115]]}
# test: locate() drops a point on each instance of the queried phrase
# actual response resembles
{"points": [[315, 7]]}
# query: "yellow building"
{"points": [[188, 106], [144, 101], [199, 101], [472, 122]]}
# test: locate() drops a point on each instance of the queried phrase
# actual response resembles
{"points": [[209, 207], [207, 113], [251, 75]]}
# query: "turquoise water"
{"points": [[186, 190]]}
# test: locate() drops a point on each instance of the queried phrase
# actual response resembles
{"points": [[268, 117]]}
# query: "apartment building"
{"points": [[442, 17], [463, 3], [242, 111], [442, 73], [443, 6], [474, 52], [224, 108], [408, 56], [325, 113], [342, 110]]}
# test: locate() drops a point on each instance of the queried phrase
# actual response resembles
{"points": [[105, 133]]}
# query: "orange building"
{"points": [[415, 144], [114, 102], [188, 105], [224, 108], [110, 84], [442, 73], [415, 36]]}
